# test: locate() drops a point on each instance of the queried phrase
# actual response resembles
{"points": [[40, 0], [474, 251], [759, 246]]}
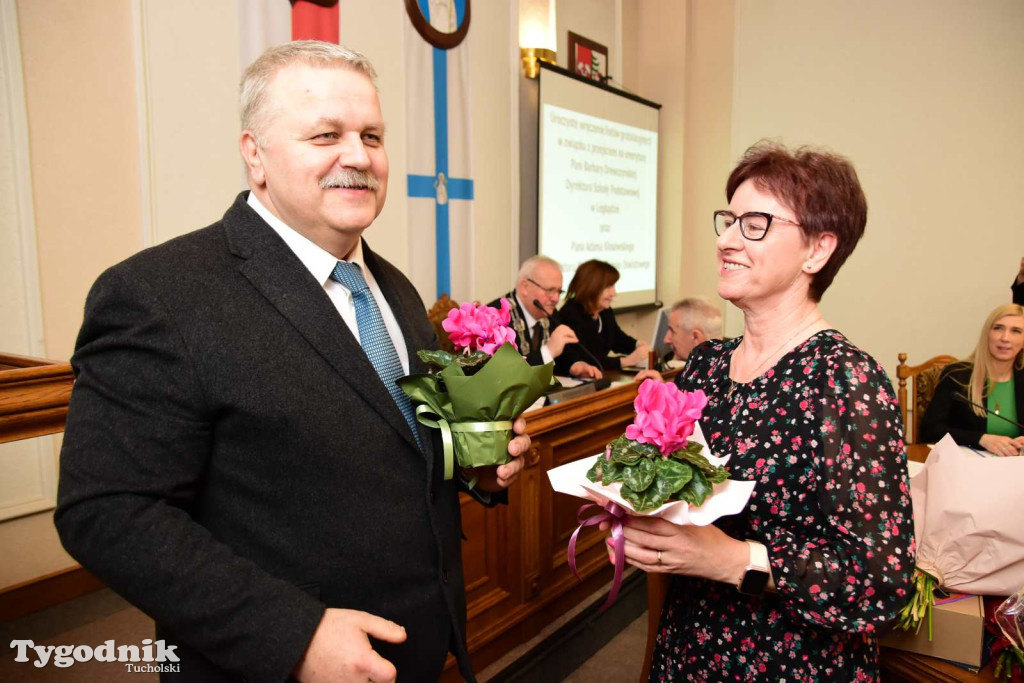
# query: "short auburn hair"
{"points": [[590, 279], [822, 189]]}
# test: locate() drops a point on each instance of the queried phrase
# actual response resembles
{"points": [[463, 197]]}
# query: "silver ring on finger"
{"points": [[659, 557]]}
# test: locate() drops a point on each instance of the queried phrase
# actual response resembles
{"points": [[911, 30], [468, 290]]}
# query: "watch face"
{"points": [[754, 582]]}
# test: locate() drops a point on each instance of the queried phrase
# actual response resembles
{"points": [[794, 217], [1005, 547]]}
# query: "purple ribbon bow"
{"points": [[613, 514]]}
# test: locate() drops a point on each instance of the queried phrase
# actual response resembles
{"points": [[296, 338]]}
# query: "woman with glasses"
{"points": [[796, 586], [980, 401], [588, 311]]}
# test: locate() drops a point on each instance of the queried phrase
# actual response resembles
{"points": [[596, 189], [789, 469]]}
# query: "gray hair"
{"points": [[698, 313], [253, 95], [529, 266]]}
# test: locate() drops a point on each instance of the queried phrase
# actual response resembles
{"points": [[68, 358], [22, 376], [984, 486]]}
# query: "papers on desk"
{"points": [[567, 382]]}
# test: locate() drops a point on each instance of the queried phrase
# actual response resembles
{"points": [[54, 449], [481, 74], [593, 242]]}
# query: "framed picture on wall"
{"points": [[587, 58]]}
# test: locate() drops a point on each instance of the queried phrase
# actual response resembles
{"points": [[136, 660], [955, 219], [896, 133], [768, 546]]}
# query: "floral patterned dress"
{"points": [[821, 435]]}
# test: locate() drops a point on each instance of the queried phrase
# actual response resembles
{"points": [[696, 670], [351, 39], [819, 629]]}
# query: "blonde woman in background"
{"points": [[980, 400]]}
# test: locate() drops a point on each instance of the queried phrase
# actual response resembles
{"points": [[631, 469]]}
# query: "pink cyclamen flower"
{"points": [[479, 328], [665, 415]]}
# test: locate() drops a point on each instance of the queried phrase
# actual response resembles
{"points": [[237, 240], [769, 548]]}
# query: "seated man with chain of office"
{"points": [[539, 338]]}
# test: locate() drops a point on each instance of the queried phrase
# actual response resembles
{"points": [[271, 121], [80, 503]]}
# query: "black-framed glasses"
{"points": [[753, 224], [550, 291]]}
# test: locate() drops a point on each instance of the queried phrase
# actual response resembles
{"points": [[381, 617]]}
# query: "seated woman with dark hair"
{"points": [[980, 401], [588, 311]]}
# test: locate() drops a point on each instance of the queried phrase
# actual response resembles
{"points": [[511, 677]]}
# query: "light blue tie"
{"points": [[374, 337]]}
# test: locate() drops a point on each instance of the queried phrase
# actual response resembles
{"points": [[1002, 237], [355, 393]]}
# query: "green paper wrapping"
{"points": [[474, 406]]}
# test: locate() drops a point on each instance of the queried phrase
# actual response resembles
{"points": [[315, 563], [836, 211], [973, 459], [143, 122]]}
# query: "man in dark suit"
{"points": [[237, 461], [534, 300]]}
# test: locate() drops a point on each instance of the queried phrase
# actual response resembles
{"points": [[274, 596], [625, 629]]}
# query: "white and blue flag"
{"points": [[439, 184]]}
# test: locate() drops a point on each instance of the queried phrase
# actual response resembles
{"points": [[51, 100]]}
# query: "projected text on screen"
{"points": [[599, 195]]}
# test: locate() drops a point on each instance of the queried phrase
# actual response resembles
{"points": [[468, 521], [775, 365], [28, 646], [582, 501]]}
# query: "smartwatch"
{"points": [[756, 575]]}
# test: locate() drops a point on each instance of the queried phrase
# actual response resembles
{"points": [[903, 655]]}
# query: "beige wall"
{"points": [[81, 100], [707, 154], [925, 97], [187, 61]]}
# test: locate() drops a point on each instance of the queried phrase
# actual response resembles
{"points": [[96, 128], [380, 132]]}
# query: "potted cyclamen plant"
{"points": [[653, 470], [654, 460], [478, 391]]}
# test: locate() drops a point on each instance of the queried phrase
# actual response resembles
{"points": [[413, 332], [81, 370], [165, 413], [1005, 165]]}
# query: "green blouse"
{"points": [[1002, 400]]}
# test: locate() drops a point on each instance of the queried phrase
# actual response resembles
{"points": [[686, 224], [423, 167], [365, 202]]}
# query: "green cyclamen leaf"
{"points": [[642, 501], [675, 474], [613, 472], [719, 475], [639, 476], [438, 358], [604, 472], [623, 451], [661, 489], [714, 473], [697, 490], [693, 447], [472, 360], [647, 450]]}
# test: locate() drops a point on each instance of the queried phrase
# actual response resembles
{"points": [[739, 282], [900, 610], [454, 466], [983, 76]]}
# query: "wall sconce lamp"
{"points": [[531, 58], [537, 41]]}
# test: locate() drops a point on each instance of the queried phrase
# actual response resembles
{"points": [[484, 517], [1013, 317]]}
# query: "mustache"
{"points": [[351, 179]]}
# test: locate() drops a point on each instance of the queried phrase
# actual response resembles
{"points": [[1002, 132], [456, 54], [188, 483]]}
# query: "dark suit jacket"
{"points": [[600, 344], [233, 464], [533, 355], [948, 411], [570, 353], [1018, 292]]}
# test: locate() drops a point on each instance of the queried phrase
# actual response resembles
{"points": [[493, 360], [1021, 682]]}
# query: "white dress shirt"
{"points": [[545, 352], [321, 264]]}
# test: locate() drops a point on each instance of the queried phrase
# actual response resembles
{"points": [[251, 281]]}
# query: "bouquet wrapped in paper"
{"points": [[969, 527], [479, 390], [655, 469]]}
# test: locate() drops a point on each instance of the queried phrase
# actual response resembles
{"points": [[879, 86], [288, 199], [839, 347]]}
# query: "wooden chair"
{"points": [[925, 377], [437, 313]]}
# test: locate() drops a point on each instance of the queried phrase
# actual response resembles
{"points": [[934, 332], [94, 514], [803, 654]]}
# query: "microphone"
{"points": [[555, 321], [964, 399], [552, 316]]}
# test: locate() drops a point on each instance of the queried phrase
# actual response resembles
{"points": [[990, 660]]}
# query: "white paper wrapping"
{"points": [[729, 497]]}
